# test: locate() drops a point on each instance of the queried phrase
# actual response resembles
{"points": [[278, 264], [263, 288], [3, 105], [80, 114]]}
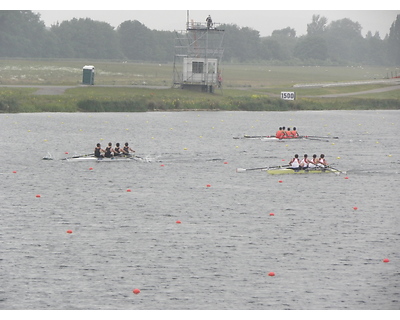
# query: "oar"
{"points": [[312, 138], [334, 170], [257, 137], [262, 168], [131, 156], [322, 137]]}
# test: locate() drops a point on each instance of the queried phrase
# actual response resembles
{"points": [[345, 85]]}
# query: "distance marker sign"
{"points": [[288, 95]]}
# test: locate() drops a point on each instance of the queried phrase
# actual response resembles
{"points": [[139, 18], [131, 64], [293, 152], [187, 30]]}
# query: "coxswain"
{"points": [[321, 161], [127, 148], [98, 150], [109, 152], [295, 163], [279, 134], [294, 133], [304, 163]]}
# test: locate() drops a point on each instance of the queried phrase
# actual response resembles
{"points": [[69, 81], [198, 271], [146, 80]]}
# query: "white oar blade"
{"points": [[240, 170]]}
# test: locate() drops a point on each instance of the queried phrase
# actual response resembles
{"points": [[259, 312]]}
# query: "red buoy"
{"points": [[14, 171], [280, 181], [128, 190], [385, 260], [209, 185], [272, 214], [136, 291], [271, 274], [178, 221], [90, 168], [69, 231], [355, 208], [38, 196], [346, 177]]}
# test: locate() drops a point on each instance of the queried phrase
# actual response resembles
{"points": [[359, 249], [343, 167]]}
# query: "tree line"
{"points": [[24, 35]]}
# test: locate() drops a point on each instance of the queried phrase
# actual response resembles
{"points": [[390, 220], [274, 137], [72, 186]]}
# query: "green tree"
{"points": [[136, 40], [394, 42], [271, 49], [345, 42], [286, 38], [163, 45], [22, 34], [86, 38], [311, 48], [317, 26], [375, 49], [286, 32], [242, 44]]}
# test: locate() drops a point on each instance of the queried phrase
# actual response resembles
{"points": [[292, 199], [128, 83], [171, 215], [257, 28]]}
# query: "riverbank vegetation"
{"points": [[17, 100], [26, 86]]}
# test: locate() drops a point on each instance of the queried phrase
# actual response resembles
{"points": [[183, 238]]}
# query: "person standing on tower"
{"points": [[209, 22]]}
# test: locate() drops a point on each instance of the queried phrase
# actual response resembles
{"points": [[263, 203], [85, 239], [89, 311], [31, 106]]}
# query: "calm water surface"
{"points": [[325, 254]]}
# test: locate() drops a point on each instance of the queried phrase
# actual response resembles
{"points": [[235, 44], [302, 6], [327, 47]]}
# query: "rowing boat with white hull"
{"points": [[283, 140], [274, 138], [91, 158]]}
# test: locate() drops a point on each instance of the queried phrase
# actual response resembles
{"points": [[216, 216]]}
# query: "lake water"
{"points": [[325, 254]]}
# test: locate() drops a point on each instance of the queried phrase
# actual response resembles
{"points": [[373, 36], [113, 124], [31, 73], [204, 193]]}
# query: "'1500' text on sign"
{"points": [[288, 95]]}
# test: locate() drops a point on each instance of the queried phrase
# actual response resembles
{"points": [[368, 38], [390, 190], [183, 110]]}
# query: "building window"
{"points": [[197, 67]]}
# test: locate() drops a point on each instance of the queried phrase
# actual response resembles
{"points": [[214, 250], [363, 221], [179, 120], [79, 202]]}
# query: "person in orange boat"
{"points": [[288, 134], [279, 134], [294, 133]]}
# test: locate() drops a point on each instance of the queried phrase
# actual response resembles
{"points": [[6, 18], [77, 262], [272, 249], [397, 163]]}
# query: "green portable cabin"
{"points": [[88, 75]]}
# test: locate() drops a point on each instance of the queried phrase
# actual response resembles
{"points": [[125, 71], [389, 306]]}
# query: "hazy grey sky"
{"points": [[264, 21], [262, 17]]}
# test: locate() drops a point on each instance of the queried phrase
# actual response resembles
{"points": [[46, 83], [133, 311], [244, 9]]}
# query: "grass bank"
{"points": [[246, 87], [103, 99]]}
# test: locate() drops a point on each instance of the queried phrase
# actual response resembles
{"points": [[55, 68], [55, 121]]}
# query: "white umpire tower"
{"points": [[198, 55]]}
